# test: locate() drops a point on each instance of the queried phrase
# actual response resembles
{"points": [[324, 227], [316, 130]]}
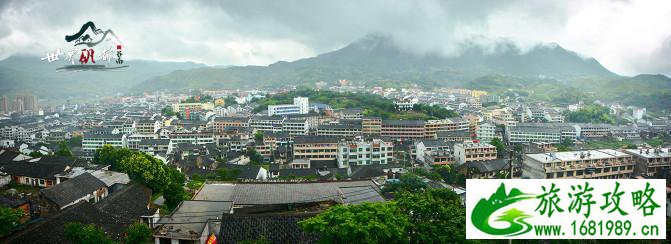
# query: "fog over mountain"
{"points": [[627, 37]]}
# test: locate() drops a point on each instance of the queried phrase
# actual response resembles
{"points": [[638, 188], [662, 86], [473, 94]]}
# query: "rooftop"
{"points": [[283, 193], [576, 155]]}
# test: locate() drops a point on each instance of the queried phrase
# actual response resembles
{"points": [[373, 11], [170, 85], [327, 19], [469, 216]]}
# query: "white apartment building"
{"points": [[486, 132], [363, 152], [190, 138], [295, 126], [93, 141], [301, 106]]}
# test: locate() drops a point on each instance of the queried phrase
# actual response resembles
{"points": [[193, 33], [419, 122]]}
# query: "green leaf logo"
{"points": [[486, 207]]}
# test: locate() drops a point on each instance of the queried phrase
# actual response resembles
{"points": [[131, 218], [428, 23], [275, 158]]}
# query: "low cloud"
{"points": [[628, 37]]}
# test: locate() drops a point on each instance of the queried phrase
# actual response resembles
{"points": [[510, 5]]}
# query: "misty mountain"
{"points": [[27, 74], [376, 59]]}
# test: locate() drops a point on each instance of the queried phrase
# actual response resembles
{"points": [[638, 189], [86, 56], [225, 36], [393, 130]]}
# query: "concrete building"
{"points": [[403, 129], [315, 148], [181, 107], [365, 152], [474, 151], [589, 130], [93, 141], [486, 132], [267, 123], [598, 164], [301, 106], [147, 126], [296, 126], [196, 138], [220, 123], [540, 132], [651, 162], [433, 152], [432, 127], [371, 126], [340, 130]]}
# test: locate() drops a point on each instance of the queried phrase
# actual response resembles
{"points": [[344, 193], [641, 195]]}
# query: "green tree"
{"points": [[108, 155], [168, 112], [592, 113], [501, 148], [258, 136], [435, 215], [63, 150], [35, 154], [360, 223], [255, 157], [565, 145], [174, 194], [9, 219], [138, 233], [407, 182], [228, 174], [85, 234], [147, 170]]}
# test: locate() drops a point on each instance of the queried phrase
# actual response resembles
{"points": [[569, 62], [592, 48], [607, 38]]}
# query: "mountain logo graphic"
{"points": [[485, 208], [87, 33]]}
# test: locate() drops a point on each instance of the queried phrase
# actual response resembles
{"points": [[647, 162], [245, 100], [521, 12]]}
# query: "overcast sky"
{"points": [[628, 37]]}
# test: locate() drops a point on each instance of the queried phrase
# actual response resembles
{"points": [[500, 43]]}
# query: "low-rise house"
{"points": [[33, 173], [193, 221], [490, 169], [84, 187], [112, 214]]}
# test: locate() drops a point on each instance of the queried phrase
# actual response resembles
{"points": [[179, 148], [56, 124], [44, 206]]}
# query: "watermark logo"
{"points": [[566, 209], [96, 49], [485, 208]]}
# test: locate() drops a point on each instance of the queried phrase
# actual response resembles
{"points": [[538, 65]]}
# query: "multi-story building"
{"points": [[626, 132], [220, 123], [93, 141], [486, 132], [301, 106], [433, 151], [181, 107], [296, 126], [651, 162], [432, 127], [266, 123], [340, 130], [454, 136], [371, 126], [474, 151], [315, 148], [598, 164], [365, 152], [21, 132], [403, 129], [351, 114], [588, 130], [540, 132], [147, 126], [197, 138], [4, 104]]}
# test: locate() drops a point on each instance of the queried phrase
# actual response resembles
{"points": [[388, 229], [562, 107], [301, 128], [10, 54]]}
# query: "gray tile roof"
{"points": [[283, 193], [73, 189]]}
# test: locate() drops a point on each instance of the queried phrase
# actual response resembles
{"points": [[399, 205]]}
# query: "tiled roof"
{"points": [[73, 189]]}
